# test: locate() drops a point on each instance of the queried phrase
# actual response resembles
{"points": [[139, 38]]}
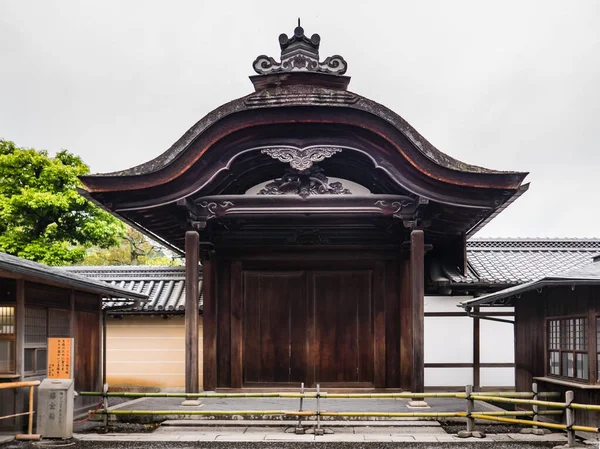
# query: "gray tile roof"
{"points": [[165, 286], [515, 261], [498, 262], [585, 275], [41, 272]]}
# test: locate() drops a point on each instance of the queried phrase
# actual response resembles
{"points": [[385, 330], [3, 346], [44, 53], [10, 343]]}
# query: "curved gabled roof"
{"points": [[303, 95]]}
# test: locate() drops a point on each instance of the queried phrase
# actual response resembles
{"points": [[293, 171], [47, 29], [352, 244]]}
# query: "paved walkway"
{"points": [[342, 434], [338, 405]]}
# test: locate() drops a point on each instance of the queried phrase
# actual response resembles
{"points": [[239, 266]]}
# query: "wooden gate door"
{"points": [[343, 339], [311, 326], [275, 347]]}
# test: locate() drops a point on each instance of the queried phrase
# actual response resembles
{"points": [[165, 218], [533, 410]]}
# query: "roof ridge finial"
{"points": [[300, 54]]}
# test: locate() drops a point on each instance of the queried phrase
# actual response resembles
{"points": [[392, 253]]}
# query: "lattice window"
{"points": [[7, 339], [567, 348], [36, 326], [36, 340], [58, 323]]}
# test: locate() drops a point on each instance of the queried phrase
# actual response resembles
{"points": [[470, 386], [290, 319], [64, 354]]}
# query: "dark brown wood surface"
{"points": [[191, 311], [311, 316], [87, 350], [417, 280], [269, 352], [343, 326]]}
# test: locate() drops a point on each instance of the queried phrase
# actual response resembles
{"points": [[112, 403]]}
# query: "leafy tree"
{"points": [[42, 216], [134, 249]]}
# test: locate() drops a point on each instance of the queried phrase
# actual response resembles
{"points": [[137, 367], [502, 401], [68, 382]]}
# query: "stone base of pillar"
{"points": [[417, 404]]}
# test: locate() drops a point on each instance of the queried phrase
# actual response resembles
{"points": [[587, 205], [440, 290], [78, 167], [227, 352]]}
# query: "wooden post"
{"points": [[569, 396], [209, 325], [30, 422], [192, 249], [237, 305], [417, 291], [476, 352], [20, 329], [470, 408], [535, 409]]}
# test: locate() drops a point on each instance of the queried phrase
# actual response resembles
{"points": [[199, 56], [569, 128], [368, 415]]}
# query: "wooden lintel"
{"points": [[192, 249]]}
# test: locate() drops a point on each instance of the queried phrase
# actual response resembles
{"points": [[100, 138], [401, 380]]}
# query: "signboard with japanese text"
{"points": [[60, 358]]}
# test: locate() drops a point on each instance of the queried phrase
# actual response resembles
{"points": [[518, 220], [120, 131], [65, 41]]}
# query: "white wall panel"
{"points": [[497, 377], [448, 339], [448, 377], [444, 303], [497, 342]]}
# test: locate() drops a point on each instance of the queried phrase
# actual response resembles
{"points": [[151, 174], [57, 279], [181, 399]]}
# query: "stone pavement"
{"points": [[407, 434], [346, 405]]}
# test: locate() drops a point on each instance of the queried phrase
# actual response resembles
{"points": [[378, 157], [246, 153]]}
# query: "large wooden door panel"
{"points": [[275, 339], [343, 326]]}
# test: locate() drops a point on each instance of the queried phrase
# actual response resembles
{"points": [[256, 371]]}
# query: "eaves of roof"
{"points": [[44, 273]]}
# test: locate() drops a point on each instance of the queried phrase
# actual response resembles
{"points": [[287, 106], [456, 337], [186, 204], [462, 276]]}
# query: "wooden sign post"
{"points": [[60, 358]]}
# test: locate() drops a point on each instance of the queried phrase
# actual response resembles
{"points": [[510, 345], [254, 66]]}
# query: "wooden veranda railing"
{"points": [[31, 385]]}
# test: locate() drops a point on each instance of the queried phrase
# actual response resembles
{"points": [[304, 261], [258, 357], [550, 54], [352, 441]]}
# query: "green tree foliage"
{"points": [[134, 249], [42, 216]]}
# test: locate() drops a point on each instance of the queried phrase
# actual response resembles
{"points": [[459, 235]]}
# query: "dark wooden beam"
{"points": [[417, 290], [209, 322], [191, 311]]}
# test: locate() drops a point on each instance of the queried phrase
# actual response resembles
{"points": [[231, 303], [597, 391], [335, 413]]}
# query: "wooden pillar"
{"points": [[191, 311], [209, 323], [417, 293], [476, 352], [20, 329], [236, 324]]}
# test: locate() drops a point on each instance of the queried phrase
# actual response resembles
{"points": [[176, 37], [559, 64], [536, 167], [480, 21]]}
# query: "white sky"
{"points": [[510, 85]]}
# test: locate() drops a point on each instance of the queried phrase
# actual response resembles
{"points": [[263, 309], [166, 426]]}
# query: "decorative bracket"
{"points": [[301, 158]]}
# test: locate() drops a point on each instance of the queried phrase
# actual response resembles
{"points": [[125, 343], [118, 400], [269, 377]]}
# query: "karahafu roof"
{"points": [[585, 275], [516, 261], [164, 286], [42, 272]]}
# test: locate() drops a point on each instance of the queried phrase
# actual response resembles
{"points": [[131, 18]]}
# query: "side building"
{"points": [[38, 302], [146, 343]]}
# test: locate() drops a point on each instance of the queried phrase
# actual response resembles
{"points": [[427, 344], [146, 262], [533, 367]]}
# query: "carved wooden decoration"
{"points": [[305, 183], [301, 158]]}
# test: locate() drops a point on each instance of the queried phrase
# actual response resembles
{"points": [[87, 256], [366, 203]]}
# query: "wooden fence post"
{"points": [[569, 396], [470, 408]]}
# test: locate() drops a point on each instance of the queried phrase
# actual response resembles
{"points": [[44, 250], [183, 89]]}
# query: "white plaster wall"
{"points": [[450, 340]]}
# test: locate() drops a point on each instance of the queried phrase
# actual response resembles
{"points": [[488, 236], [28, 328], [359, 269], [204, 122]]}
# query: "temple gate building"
{"points": [[316, 214]]}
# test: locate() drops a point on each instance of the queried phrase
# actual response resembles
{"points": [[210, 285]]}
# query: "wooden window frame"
{"points": [[36, 347], [573, 350], [11, 338]]}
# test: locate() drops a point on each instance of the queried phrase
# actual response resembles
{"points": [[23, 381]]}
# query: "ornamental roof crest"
{"points": [[300, 53]]}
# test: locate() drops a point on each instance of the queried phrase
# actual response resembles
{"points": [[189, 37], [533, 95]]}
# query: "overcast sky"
{"points": [[510, 85]]}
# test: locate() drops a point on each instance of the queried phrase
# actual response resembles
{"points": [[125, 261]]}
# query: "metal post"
{"points": [[318, 430], [569, 396], [470, 408], [299, 428]]}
